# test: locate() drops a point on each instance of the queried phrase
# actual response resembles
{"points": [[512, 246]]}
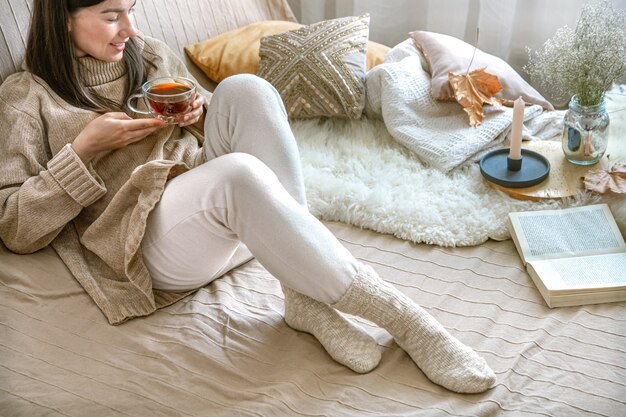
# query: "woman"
{"points": [[143, 212]]}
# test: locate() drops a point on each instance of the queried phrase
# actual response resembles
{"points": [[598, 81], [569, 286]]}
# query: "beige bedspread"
{"points": [[227, 351]]}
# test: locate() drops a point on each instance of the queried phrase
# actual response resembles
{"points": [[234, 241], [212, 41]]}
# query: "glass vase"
{"points": [[585, 132]]}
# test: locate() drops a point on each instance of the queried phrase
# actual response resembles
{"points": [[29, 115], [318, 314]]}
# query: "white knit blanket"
{"points": [[437, 132]]}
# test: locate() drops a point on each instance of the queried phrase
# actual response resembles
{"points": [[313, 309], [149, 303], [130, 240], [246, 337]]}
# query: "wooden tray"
{"points": [[565, 178]]}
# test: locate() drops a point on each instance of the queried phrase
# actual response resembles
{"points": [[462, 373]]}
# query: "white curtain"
{"points": [[507, 27]]}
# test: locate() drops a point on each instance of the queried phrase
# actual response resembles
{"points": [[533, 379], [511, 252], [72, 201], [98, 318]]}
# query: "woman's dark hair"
{"points": [[50, 55]]}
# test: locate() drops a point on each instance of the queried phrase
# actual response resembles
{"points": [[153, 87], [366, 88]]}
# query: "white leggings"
{"points": [[251, 191]]}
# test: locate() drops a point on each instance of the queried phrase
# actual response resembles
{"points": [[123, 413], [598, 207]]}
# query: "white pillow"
{"points": [[444, 54]]}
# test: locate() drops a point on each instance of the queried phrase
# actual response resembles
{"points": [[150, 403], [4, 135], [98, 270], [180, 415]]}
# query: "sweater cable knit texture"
{"points": [[93, 216]]}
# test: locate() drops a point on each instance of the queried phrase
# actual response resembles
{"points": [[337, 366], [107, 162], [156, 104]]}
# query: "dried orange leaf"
{"points": [[473, 90], [601, 180]]}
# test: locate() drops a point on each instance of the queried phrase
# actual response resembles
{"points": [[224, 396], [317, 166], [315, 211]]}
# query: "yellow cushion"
{"points": [[237, 51], [376, 53]]}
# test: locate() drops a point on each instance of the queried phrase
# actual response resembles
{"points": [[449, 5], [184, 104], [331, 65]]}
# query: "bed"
{"points": [[226, 351]]}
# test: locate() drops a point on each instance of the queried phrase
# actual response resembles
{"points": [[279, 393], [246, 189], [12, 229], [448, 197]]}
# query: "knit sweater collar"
{"points": [[95, 72]]}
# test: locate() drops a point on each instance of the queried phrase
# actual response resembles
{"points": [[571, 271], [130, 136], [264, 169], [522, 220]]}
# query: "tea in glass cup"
{"points": [[166, 98]]}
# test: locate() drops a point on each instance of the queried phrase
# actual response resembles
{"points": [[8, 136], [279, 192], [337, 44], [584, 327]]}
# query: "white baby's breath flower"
{"points": [[584, 61]]}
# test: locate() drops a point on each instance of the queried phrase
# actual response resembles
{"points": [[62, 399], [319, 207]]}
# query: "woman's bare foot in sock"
{"points": [[444, 359], [345, 342]]}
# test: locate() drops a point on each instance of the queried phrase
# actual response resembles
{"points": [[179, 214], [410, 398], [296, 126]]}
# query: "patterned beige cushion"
{"points": [[319, 70]]}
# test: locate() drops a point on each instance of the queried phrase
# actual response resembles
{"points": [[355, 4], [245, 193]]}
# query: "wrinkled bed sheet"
{"points": [[226, 350]]}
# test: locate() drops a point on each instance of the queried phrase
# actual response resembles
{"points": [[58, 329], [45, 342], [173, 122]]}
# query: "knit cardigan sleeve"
{"points": [[39, 192]]}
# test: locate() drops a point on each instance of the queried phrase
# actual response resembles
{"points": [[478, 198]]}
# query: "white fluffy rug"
{"points": [[356, 173]]}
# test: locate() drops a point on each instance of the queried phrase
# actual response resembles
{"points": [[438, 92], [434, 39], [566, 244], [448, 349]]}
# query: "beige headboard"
{"points": [[178, 23]]}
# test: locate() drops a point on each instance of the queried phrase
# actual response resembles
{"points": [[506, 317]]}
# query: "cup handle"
{"points": [[130, 105]]}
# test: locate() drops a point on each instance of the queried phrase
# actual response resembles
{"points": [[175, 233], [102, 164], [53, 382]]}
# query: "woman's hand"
{"points": [[112, 131], [196, 112]]}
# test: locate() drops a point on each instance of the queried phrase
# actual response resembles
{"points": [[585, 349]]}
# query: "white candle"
{"points": [[516, 129]]}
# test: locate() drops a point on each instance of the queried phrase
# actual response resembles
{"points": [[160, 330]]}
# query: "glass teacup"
{"points": [[166, 98]]}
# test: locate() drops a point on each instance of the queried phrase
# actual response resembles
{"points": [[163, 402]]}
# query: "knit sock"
{"points": [[345, 342], [444, 359]]}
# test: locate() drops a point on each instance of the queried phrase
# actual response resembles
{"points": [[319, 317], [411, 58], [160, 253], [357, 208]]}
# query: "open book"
{"points": [[575, 256]]}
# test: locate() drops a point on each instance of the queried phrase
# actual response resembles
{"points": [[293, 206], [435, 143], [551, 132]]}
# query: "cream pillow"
{"points": [[446, 54], [237, 51], [319, 69]]}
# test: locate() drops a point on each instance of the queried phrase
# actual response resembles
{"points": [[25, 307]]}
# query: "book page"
{"points": [[584, 273], [551, 234]]}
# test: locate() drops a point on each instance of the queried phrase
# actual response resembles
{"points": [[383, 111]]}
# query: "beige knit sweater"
{"points": [[93, 216]]}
